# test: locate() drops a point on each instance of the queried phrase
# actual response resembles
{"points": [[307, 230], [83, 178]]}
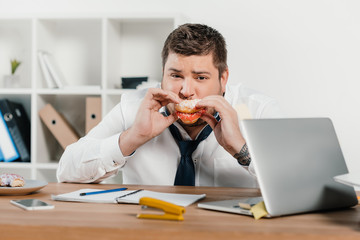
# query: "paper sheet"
{"points": [[178, 199]]}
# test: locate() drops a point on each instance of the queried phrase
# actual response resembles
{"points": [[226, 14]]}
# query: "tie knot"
{"points": [[188, 147]]}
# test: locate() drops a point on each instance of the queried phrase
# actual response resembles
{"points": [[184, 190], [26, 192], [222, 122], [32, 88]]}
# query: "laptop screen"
{"points": [[295, 161]]}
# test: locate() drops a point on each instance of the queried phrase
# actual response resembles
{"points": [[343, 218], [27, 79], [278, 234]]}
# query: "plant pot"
{"points": [[11, 81]]}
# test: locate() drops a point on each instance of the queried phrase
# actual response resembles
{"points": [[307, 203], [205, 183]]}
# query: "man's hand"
{"points": [[148, 123], [227, 130]]}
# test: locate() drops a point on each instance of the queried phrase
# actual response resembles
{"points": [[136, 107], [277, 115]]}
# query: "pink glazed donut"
{"points": [[11, 180]]}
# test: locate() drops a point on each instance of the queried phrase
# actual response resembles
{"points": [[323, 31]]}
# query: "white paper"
{"points": [[175, 198], [348, 179]]}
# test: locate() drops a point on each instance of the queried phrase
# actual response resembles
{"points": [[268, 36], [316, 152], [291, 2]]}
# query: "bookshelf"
{"points": [[90, 49]]}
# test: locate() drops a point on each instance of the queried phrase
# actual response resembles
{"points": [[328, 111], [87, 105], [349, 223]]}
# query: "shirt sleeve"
{"points": [[262, 106], [97, 155]]}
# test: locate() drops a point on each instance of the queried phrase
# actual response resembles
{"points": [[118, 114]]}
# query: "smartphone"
{"points": [[31, 204]]}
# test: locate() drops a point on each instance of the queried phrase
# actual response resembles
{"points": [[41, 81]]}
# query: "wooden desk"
{"points": [[118, 221]]}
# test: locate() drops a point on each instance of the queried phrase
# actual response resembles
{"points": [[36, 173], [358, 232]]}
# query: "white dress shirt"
{"points": [[97, 156]]}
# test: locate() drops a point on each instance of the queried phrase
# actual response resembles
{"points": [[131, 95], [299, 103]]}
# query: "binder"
{"points": [[1, 155], [8, 150], [18, 125], [93, 112], [58, 126]]}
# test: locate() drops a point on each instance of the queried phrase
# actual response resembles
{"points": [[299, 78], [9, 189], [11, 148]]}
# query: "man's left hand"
{"points": [[227, 130]]}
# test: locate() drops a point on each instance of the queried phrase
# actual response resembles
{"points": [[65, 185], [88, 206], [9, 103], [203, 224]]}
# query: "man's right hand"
{"points": [[149, 122]]}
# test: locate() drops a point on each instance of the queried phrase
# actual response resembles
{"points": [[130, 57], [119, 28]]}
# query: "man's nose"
{"points": [[187, 89]]}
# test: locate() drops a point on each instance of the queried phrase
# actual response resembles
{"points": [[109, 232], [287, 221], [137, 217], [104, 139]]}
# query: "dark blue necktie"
{"points": [[185, 174]]}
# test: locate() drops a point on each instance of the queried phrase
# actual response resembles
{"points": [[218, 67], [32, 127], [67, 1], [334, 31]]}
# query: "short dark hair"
{"points": [[197, 39]]}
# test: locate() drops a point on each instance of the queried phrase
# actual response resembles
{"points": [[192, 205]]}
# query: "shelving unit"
{"points": [[89, 50]]}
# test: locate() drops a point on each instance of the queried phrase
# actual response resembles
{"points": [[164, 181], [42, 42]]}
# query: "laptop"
{"points": [[295, 161]]}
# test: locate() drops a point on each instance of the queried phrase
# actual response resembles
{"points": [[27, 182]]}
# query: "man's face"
{"points": [[192, 77]]}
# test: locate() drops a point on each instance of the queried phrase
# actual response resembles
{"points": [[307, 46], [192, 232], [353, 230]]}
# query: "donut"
{"points": [[11, 180], [188, 112]]}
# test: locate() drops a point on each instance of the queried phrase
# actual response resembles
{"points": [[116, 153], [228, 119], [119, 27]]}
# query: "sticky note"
{"points": [[259, 210]]}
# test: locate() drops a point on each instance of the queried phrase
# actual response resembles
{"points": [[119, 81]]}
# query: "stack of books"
{"points": [[54, 77], [14, 132], [51, 72]]}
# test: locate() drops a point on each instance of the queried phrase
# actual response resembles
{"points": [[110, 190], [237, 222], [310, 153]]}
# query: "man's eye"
{"points": [[175, 76], [202, 78]]}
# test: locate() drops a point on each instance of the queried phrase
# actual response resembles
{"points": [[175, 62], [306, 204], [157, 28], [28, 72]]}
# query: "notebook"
{"points": [[128, 197], [295, 161]]}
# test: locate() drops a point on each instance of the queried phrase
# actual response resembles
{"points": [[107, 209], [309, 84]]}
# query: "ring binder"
{"points": [[93, 112], [58, 126], [9, 152], [18, 125]]}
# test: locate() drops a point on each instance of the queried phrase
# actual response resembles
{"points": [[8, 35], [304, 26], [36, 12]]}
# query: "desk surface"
{"points": [[118, 221]]}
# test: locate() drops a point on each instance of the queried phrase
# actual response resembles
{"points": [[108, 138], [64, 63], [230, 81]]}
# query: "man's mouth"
{"points": [[190, 118]]}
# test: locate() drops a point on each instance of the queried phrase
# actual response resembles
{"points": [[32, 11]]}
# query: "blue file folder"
{"points": [[1, 156], [8, 149], [18, 125]]}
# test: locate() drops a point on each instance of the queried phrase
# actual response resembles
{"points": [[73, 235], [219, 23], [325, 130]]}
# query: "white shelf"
{"points": [[4, 165], [77, 91], [12, 91], [118, 91], [90, 49]]}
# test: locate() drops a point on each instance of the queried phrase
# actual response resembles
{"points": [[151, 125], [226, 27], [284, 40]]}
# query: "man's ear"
{"points": [[162, 78], [223, 80]]}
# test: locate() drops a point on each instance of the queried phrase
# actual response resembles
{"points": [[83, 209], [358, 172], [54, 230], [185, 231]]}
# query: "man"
{"points": [[143, 136]]}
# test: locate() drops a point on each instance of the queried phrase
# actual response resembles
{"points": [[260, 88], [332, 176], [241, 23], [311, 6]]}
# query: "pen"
{"points": [[104, 191], [136, 191]]}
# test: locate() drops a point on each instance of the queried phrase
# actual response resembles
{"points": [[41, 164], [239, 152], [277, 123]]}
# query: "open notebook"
{"points": [[131, 197]]}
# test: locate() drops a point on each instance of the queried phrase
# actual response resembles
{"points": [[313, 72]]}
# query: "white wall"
{"points": [[305, 53]]}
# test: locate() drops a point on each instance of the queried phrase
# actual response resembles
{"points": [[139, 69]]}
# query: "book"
{"points": [[9, 152], [18, 125], [46, 74], [54, 70], [61, 129], [128, 197]]}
